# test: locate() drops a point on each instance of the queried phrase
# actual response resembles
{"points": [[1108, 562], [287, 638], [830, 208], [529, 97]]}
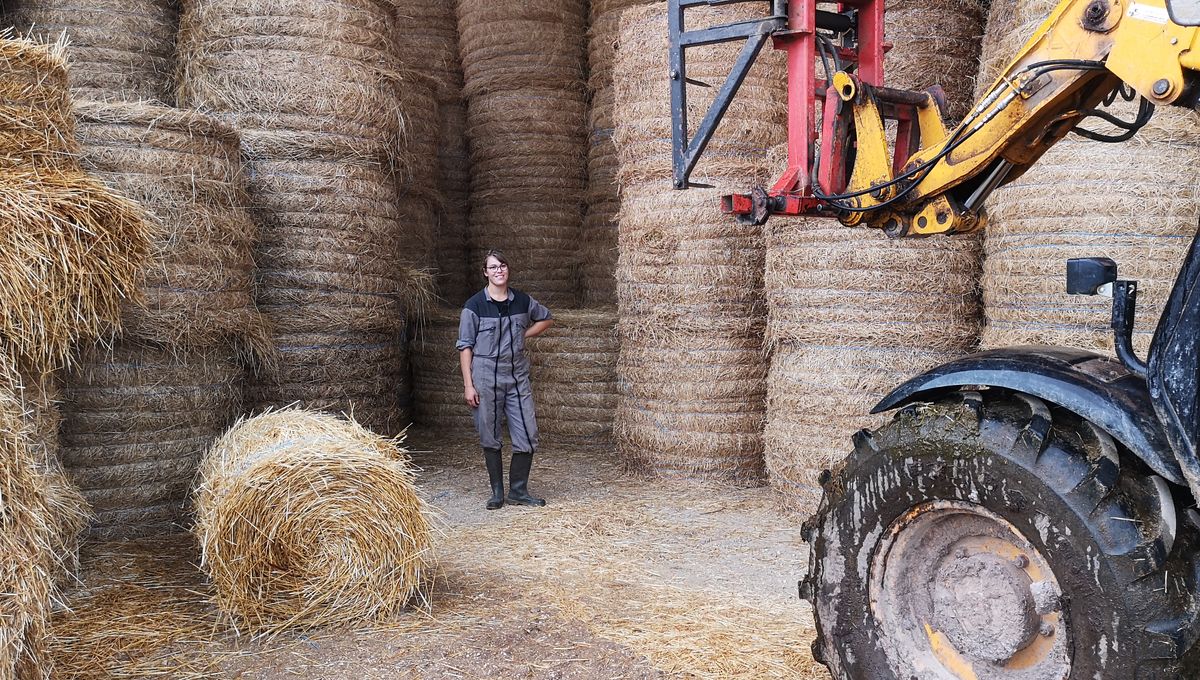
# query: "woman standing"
{"points": [[491, 342]]}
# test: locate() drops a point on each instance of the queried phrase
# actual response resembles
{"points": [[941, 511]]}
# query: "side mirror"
{"points": [[1184, 12]]}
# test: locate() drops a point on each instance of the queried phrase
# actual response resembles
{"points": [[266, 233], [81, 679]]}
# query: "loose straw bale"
{"points": [[186, 169], [512, 44], [935, 42], [119, 49], [1138, 207], [427, 38], [36, 125], [354, 372], [438, 395], [306, 520], [818, 397], [136, 421], [328, 70], [574, 373]]}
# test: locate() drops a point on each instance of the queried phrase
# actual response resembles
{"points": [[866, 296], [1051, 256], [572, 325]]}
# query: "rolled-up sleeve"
{"points": [[538, 311], [468, 328]]}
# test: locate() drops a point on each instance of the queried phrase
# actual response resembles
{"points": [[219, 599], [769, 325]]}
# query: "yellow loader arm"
{"points": [[1077, 58]]}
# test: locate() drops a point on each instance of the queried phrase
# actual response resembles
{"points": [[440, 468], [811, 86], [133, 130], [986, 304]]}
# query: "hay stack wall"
{"points": [[689, 281], [438, 396], [573, 366], [852, 313], [120, 50], [526, 113], [342, 145], [1138, 205], [599, 249]]}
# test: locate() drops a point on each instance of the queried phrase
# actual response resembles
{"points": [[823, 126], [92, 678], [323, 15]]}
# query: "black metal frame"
{"points": [[685, 153]]}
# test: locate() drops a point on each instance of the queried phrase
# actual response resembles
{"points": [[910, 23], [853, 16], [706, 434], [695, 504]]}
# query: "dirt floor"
{"points": [[619, 577]]}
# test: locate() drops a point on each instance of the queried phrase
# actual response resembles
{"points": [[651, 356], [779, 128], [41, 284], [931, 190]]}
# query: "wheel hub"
{"points": [[959, 594]]}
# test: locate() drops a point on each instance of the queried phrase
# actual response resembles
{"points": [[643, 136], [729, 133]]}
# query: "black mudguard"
{"points": [[1094, 387]]}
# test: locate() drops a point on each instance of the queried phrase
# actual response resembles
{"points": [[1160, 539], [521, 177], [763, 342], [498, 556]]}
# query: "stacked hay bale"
{"points": [[427, 36], [526, 109], [438, 396], [599, 249], [119, 49], [854, 314], [73, 251], [342, 147], [138, 417], [1138, 206], [689, 280], [307, 520], [573, 366]]}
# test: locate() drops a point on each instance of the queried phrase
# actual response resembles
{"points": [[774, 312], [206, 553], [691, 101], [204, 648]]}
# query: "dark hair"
{"points": [[496, 254]]}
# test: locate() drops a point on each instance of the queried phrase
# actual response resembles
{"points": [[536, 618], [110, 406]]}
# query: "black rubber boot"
{"points": [[518, 480], [495, 468]]}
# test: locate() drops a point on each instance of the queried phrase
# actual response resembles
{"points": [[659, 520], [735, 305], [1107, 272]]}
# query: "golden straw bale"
{"points": [[119, 49], [136, 420], [438, 396], [306, 520], [573, 366], [427, 38], [74, 256], [36, 125], [935, 43], [818, 397], [349, 371], [513, 44], [186, 169]]}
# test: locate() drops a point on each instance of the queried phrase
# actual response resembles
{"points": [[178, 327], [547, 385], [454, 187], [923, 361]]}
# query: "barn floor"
{"points": [[618, 577]]}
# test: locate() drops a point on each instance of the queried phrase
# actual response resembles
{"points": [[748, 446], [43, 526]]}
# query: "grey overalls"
{"points": [[495, 332]]}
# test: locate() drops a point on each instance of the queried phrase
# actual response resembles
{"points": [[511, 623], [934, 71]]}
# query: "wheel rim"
{"points": [[960, 594]]}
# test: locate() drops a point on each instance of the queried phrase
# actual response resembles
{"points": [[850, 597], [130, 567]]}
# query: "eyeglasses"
{"points": [[496, 267]]}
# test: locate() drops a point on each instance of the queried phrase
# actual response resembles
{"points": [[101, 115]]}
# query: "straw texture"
{"points": [[136, 420], [689, 279], [1138, 206], [573, 367], [438, 395], [526, 112], [122, 50], [455, 277], [426, 35], [935, 42], [306, 520], [36, 125]]}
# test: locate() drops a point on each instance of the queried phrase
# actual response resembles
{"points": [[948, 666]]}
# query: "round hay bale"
{"points": [[935, 42], [119, 49], [1138, 207], [511, 45], [419, 168], [305, 520], [36, 125], [451, 236], [185, 168], [136, 420], [574, 373], [427, 40], [817, 398], [357, 373], [438, 395], [332, 65]]}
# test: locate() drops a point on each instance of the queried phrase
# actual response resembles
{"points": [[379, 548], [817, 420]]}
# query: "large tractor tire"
{"points": [[990, 536]]}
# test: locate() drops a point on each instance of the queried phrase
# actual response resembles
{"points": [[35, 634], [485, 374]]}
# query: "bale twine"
{"points": [[574, 373], [689, 279], [1138, 207], [186, 169], [119, 49], [136, 421], [306, 520], [456, 277], [427, 38], [319, 76], [599, 244], [935, 42], [438, 395], [349, 371]]}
